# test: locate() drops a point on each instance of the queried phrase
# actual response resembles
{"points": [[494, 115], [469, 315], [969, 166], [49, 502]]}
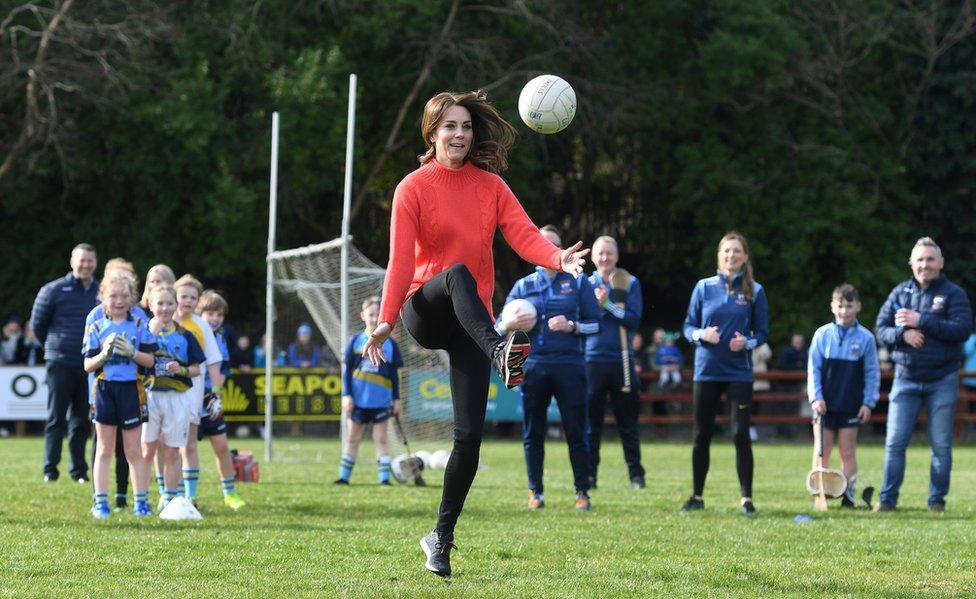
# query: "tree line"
{"points": [[831, 133]]}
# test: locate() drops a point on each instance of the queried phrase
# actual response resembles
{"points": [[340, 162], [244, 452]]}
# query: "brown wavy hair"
{"points": [[493, 135], [747, 277]]}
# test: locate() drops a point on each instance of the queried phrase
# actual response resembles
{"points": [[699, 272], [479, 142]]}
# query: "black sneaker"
{"points": [[340, 481], [846, 502], [437, 547], [748, 509], [121, 502], [637, 483], [509, 357], [384, 483], [937, 507], [693, 504], [50, 478]]}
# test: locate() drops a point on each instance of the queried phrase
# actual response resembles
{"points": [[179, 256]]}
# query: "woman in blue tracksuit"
{"points": [[727, 318], [566, 310]]}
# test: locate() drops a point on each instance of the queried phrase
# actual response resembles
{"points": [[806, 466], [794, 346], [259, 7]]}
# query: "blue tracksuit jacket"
{"points": [[843, 368], [604, 347], [564, 295], [712, 305]]}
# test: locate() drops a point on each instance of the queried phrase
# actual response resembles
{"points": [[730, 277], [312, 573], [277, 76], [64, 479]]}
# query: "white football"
{"points": [[517, 307], [439, 458], [547, 104]]}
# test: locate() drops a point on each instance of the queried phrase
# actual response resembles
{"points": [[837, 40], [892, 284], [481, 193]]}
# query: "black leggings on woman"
{"points": [[446, 313], [708, 402]]}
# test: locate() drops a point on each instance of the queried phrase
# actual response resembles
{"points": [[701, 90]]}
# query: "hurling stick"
{"points": [[419, 479], [820, 502], [620, 285]]}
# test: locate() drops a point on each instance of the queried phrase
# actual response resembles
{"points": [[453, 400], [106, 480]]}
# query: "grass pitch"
{"points": [[301, 536]]}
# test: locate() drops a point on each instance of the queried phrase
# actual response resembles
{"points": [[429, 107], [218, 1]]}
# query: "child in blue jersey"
{"points": [[98, 313], [370, 394], [213, 308], [668, 359], [176, 361], [843, 379], [114, 347]]}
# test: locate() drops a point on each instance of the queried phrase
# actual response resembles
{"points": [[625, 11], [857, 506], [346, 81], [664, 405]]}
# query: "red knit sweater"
{"points": [[444, 216]]}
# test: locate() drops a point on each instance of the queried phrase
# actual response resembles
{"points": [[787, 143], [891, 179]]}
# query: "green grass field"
{"points": [[300, 536]]}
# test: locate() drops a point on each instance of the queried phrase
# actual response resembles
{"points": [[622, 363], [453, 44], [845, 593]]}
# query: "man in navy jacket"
{"points": [[58, 319], [604, 362], [924, 323]]}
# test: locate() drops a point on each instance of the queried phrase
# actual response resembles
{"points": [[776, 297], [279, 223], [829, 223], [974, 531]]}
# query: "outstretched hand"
{"points": [[571, 258], [374, 345]]}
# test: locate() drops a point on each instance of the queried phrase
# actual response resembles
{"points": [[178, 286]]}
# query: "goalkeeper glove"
{"points": [[123, 347], [215, 408], [108, 349]]}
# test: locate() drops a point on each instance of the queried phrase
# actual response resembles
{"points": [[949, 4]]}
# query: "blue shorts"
{"points": [[835, 421], [367, 415], [210, 427], [117, 404]]}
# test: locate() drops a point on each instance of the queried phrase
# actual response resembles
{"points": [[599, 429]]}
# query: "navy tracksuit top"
{"points": [[843, 368], [712, 305], [563, 294]]}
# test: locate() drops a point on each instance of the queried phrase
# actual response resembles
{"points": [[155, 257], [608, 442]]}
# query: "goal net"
{"points": [[308, 287]]}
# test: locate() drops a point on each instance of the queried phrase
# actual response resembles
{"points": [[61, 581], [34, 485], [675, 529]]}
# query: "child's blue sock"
{"points": [[161, 482], [383, 469], [141, 496], [190, 476], [228, 484], [345, 470], [100, 498]]}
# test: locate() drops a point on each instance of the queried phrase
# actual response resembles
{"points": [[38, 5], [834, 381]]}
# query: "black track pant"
{"points": [[446, 313], [708, 402]]}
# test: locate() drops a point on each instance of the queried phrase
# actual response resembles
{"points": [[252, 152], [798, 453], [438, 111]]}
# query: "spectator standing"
{"points": [[727, 318], [303, 353], [924, 322], [242, 354], [605, 360], [58, 320], [13, 344], [760, 363]]}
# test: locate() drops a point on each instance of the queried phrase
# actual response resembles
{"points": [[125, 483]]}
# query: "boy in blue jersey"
{"points": [[370, 394], [213, 308], [98, 313], [843, 378], [567, 312], [176, 361], [114, 347]]}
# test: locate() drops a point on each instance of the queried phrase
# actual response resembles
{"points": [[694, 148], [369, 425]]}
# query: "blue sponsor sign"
{"points": [[428, 397]]}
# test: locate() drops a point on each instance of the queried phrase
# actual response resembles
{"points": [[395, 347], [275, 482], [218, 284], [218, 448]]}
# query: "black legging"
{"points": [[446, 313], [708, 402]]}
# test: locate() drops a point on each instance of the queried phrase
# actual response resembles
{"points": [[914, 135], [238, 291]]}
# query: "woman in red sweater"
{"points": [[441, 276]]}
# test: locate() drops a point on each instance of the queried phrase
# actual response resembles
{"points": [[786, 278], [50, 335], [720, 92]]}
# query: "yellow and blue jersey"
{"points": [[371, 386], [175, 344], [132, 328]]}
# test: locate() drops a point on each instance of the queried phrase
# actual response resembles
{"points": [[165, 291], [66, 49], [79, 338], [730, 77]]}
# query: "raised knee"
{"points": [[460, 272]]}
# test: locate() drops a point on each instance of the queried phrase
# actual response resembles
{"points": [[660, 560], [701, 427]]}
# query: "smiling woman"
{"points": [[441, 276]]}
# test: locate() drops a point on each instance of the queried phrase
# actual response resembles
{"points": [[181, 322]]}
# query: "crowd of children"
{"points": [[156, 370]]}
